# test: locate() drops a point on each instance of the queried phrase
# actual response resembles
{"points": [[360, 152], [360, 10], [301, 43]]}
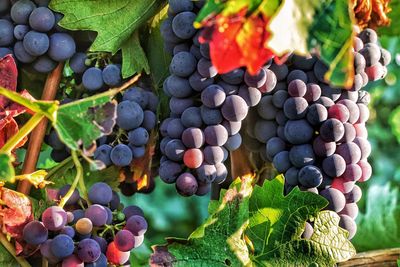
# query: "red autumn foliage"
{"points": [[237, 41], [371, 13], [8, 109], [15, 212]]}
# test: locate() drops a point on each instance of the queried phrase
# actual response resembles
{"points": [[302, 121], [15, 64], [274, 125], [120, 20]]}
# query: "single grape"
{"points": [[297, 74], [179, 105], [62, 246], [213, 154], [334, 165], [62, 47], [100, 193], [335, 197], [124, 240], [308, 231], [297, 88], [257, 80], [46, 252], [350, 152], [298, 131], [291, 176], [206, 69], [265, 130], [317, 114], [354, 195], [198, 82], [281, 162], [138, 136], [266, 108], [193, 158], [36, 43], [68, 230], [21, 10], [138, 95], [222, 173], [42, 19], [88, 250], [347, 223], [78, 214], [332, 130], [295, 108], [182, 25], [44, 64], [206, 173], [19, 31], [35, 233], [215, 135], [54, 218], [233, 142], [175, 149], [322, 148], [132, 210], [234, 108], [310, 176], [302, 155], [270, 82], [92, 79], [233, 77], [112, 75], [97, 214], [366, 170], [77, 62], [72, 260], [103, 154], [178, 87]]}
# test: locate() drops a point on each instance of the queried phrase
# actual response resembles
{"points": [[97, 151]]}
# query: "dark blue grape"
{"points": [[206, 69], [297, 74], [213, 154], [310, 176], [169, 171], [178, 87], [233, 127], [21, 10], [183, 64], [251, 95], [167, 33], [137, 225], [234, 108], [36, 43], [42, 19], [68, 230], [100, 193], [78, 214], [302, 155], [54, 141], [77, 62], [19, 32], [121, 155], [138, 95], [233, 77], [178, 6], [92, 79], [233, 142], [103, 153], [100, 262], [149, 120], [213, 96], [6, 51], [112, 75], [211, 116], [291, 176], [198, 82], [35, 233], [222, 173], [281, 161], [88, 250], [182, 25], [274, 146], [174, 150], [186, 184], [138, 137], [179, 105], [191, 117], [266, 108], [62, 47], [129, 115], [46, 252], [62, 246], [132, 210], [44, 64]]}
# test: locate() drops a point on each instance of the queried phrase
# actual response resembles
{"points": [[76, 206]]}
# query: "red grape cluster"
{"points": [[315, 134], [96, 234], [207, 109]]}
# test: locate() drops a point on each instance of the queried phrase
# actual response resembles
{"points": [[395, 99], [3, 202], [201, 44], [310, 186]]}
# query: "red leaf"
{"points": [[8, 77], [237, 41], [15, 212]]}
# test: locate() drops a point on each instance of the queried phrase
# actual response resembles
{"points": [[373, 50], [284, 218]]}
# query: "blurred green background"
{"points": [[171, 215]]}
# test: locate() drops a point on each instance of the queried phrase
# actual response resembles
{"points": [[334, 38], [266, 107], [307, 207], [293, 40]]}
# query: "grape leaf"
{"points": [[394, 27], [379, 226], [15, 212], [277, 222], [7, 172], [394, 121], [115, 22], [81, 122], [332, 32], [218, 242]]}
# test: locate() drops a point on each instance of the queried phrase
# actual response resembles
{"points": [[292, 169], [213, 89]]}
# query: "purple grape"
{"points": [[124, 240], [35, 233], [54, 218], [100, 193], [88, 250], [97, 214]]}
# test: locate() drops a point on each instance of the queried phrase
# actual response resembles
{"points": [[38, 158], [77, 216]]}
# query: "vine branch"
{"points": [[10, 248]]}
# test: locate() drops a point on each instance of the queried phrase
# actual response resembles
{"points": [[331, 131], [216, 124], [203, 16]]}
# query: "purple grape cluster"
{"points": [[315, 134], [29, 31], [102, 233], [96, 71], [136, 118], [207, 109]]}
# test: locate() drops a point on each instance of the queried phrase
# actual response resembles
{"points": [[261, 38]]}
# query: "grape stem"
{"points": [[57, 168], [78, 179], [22, 133], [10, 248]]}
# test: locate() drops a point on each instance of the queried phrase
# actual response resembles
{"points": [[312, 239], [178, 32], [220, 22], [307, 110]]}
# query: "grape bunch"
{"points": [[315, 134], [207, 109], [136, 118], [96, 71], [29, 31], [102, 233]]}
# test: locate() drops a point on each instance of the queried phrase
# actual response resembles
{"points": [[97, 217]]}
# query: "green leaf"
{"points": [[278, 219], [332, 31], [115, 22], [133, 57], [158, 58], [219, 240], [6, 259], [379, 226], [7, 172], [81, 122]]}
